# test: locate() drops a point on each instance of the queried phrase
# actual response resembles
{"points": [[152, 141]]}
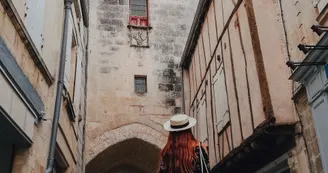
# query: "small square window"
{"points": [[140, 84]]}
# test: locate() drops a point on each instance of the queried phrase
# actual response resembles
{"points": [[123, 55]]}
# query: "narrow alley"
{"points": [[86, 85]]}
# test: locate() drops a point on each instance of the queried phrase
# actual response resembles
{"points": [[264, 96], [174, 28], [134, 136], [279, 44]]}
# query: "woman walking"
{"points": [[183, 153]]}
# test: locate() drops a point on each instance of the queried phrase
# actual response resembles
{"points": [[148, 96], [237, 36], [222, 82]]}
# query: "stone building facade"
{"points": [[134, 80], [31, 33], [236, 83]]}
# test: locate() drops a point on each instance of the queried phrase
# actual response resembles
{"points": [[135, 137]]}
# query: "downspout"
{"points": [[85, 12], [183, 95], [60, 84]]}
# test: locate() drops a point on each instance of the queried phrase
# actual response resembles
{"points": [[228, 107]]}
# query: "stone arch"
{"points": [[132, 155], [120, 120], [118, 135]]}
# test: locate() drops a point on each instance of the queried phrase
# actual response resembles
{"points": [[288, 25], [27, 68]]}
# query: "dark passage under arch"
{"points": [[129, 156]]}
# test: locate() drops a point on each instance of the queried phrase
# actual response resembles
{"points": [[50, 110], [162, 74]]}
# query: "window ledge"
{"points": [[25, 37], [143, 46], [140, 93], [139, 27]]}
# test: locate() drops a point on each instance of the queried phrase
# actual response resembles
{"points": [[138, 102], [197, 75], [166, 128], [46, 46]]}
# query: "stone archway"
{"points": [[129, 156], [142, 141]]}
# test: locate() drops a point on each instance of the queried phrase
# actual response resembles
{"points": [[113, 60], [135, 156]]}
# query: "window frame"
{"points": [[133, 17], [144, 77]]}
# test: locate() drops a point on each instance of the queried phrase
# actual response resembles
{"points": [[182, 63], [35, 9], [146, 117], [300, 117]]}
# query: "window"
{"points": [[221, 107], [202, 121], [73, 69], [139, 12], [69, 49], [72, 62], [32, 13], [140, 84], [35, 10]]}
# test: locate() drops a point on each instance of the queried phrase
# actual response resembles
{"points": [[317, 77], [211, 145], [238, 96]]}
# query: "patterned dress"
{"points": [[197, 162]]}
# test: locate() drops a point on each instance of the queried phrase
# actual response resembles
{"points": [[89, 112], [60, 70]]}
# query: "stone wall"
{"points": [[307, 145], [34, 158], [113, 63], [297, 18]]}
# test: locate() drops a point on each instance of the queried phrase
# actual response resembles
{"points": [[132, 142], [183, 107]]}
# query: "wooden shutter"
{"points": [[220, 100], [202, 122], [35, 11], [68, 52], [78, 81], [320, 117]]}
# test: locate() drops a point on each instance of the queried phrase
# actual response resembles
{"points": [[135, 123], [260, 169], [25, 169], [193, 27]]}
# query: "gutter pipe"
{"points": [[85, 12], [60, 85]]}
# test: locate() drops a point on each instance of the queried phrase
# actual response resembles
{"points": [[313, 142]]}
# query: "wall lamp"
{"points": [[306, 48], [319, 29], [293, 65]]}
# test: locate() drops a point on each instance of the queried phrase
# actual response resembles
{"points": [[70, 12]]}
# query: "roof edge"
{"points": [[194, 33]]}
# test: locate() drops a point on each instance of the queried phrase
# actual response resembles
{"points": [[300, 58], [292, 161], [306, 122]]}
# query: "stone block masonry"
{"points": [[116, 57], [312, 152]]}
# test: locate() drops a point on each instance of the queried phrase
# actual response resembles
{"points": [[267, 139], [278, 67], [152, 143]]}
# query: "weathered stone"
{"points": [[111, 2], [33, 159], [122, 2], [156, 55]]}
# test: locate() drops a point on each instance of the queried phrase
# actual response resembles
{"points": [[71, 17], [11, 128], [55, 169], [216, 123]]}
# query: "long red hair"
{"points": [[178, 154]]}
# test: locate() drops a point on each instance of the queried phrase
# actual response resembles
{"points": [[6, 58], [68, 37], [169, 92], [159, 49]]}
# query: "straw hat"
{"points": [[179, 122]]}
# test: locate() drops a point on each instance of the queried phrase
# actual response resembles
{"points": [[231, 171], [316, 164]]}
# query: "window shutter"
{"points": [[68, 52], [322, 4], [78, 81], [34, 21], [220, 100], [202, 123], [320, 117]]}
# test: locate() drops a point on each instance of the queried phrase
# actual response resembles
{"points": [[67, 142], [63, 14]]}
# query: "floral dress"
{"points": [[197, 162]]}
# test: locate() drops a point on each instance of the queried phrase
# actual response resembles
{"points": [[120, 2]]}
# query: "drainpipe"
{"points": [[60, 84], [85, 12], [182, 89]]}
